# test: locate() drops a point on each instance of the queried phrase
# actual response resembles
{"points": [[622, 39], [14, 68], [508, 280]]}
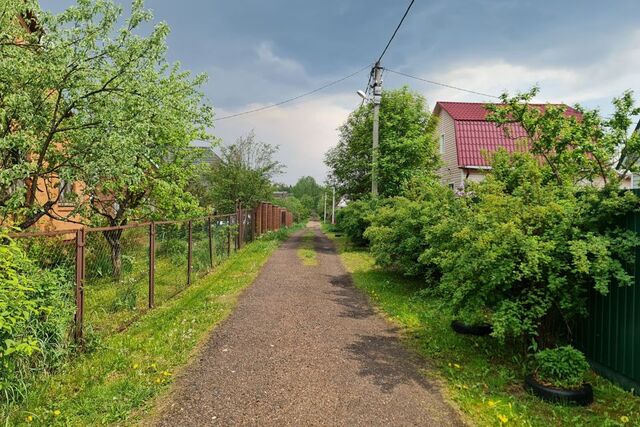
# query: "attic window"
{"points": [[442, 143]]}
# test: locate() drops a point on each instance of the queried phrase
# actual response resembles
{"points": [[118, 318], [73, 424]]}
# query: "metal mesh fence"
{"points": [[116, 278], [114, 274], [171, 254]]}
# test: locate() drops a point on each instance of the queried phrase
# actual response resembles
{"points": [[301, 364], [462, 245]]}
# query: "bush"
{"points": [[530, 250], [36, 312], [355, 218], [561, 367], [397, 234]]}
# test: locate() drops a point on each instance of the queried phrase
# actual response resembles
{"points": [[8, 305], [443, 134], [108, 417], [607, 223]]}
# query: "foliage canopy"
{"points": [[407, 146]]}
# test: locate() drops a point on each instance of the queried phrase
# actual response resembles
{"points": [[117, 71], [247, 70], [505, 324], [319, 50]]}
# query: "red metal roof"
{"points": [[476, 136]]}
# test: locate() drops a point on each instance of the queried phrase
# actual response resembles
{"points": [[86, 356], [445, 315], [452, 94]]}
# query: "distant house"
{"points": [[205, 153], [280, 194], [465, 135]]}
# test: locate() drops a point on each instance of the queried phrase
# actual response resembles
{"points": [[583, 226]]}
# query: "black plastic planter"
{"points": [[478, 330], [582, 396]]}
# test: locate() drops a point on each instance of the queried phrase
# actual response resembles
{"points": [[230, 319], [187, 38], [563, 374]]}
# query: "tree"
{"points": [[308, 192], [100, 106], [242, 173], [84, 101], [407, 146]]}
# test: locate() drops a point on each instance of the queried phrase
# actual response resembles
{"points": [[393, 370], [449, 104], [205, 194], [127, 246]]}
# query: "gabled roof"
{"points": [[474, 135]]}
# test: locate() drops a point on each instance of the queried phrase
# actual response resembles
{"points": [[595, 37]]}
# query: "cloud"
{"points": [[277, 64], [593, 84], [303, 131]]}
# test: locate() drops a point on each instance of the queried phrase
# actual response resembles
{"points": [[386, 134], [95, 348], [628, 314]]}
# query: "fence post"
{"points": [[80, 266], [152, 263], [240, 226], [189, 254], [229, 236], [211, 247]]}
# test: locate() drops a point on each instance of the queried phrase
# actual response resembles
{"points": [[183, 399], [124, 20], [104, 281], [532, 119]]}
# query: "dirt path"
{"points": [[304, 347]]}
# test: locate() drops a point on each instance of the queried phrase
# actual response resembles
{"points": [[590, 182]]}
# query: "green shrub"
{"points": [[562, 367], [36, 313], [397, 234], [355, 218], [530, 250]]}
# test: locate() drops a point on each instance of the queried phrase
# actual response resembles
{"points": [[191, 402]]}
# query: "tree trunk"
{"points": [[113, 238]]}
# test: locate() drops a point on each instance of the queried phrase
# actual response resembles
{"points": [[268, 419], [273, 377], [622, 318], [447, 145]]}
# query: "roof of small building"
{"points": [[474, 135]]}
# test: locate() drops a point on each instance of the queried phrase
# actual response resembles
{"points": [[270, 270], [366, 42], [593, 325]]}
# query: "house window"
{"points": [[442, 143], [66, 193], [451, 185]]}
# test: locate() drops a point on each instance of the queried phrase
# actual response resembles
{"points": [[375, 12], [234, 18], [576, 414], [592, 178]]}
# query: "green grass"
{"points": [[119, 381], [306, 251], [482, 377]]}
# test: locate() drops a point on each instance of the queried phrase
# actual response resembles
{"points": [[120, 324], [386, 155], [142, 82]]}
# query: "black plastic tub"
{"points": [[582, 396], [478, 330]]}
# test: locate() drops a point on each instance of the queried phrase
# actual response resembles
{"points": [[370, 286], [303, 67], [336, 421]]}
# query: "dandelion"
{"points": [[28, 418], [154, 366], [491, 403], [136, 366], [158, 380], [503, 418], [56, 413], [457, 366], [166, 373], [624, 419]]}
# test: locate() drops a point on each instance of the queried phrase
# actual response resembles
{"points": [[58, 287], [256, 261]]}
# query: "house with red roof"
{"points": [[466, 136]]}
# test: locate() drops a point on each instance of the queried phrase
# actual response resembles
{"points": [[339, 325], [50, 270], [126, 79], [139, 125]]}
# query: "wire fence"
{"points": [[116, 274]]}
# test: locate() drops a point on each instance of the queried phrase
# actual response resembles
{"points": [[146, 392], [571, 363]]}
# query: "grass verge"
{"points": [[306, 251], [482, 377], [119, 381]]}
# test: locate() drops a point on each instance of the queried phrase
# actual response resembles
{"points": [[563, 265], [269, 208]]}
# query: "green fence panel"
{"points": [[610, 335]]}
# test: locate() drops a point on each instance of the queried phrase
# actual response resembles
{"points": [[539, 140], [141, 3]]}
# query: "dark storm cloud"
{"points": [[259, 52]]}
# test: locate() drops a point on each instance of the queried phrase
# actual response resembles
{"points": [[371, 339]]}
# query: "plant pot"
{"points": [[582, 396], [478, 330]]}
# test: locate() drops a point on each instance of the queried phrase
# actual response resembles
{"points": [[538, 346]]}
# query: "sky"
{"points": [[260, 52]]}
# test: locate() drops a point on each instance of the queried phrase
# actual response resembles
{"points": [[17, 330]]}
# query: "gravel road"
{"points": [[304, 347]]}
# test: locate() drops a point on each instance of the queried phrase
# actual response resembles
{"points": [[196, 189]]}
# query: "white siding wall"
{"points": [[449, 172]]}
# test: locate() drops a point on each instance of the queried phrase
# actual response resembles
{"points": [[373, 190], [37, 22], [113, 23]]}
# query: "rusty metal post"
{"points": [[80, 275], [152, 263], [274, 212], [256, 229], [211, 247], [189, 253], [240, 221], [229, 236], [267, 225]]}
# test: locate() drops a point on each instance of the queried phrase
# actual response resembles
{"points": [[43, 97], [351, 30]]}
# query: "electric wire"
{"points": [[286, 101], [406, 12], [442, 84]]}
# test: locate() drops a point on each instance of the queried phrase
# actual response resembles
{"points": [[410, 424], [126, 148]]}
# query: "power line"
{"points": [[406, 12], [443, 84], [286, 101]]}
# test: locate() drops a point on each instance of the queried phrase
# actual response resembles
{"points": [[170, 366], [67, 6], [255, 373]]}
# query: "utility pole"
{"points": [[333, 207], [377, 96], [325, 208]]}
